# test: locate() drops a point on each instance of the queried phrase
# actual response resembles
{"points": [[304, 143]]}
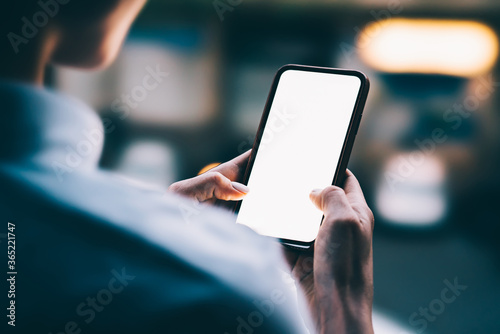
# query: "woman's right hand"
{"points": [[337, 276]]}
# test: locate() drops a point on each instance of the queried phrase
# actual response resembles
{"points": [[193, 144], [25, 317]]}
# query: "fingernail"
{"points": [[240, 187]]}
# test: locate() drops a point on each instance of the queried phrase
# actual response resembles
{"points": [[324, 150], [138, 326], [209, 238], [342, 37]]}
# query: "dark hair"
{"points": [[71, 9], [22, 20]]}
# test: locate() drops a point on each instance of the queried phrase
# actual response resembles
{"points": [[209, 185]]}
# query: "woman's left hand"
{"points": [[218, 183]]}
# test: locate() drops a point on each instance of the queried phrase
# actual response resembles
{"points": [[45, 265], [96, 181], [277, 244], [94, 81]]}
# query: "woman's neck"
{"points": [[29, 63]]}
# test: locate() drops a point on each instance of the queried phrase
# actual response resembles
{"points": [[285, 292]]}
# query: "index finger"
{"points": [[352, 189], [234, 167], [241, 160], [355, 196]]}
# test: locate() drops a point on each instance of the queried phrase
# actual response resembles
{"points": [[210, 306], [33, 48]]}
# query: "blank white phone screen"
{"points": [[299, 151]]}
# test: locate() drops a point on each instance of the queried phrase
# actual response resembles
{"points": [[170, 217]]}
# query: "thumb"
{"points": [[315, 197], [329, 199], [230, 191]]}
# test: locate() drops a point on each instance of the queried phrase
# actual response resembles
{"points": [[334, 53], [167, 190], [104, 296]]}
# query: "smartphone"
{"points": [[304, 141]]}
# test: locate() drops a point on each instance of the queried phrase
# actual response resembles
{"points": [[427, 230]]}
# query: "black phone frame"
{"points": [[352, 130]]}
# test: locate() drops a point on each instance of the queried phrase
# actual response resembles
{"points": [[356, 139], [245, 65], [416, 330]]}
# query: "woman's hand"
{"points": [[218, 183], [337, 276]]}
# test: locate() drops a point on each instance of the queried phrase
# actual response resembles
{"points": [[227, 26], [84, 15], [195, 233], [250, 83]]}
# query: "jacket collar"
{"points": [[45, 128]]}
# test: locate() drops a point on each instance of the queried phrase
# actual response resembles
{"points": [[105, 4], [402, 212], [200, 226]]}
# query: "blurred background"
{"points": [[427, 152]]}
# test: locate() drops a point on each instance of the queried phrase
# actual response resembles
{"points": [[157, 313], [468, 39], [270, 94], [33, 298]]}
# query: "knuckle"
{"points": [[367, 215], [349, 226], [332, 192], [350, 220], [346, 220], [174, 187], [216, 178], [371, 218]]}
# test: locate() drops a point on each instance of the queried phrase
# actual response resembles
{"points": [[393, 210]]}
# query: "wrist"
{"points": [[345, 309]]}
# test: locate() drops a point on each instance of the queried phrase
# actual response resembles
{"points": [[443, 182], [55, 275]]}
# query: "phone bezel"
{"points": [[354, 122]]}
